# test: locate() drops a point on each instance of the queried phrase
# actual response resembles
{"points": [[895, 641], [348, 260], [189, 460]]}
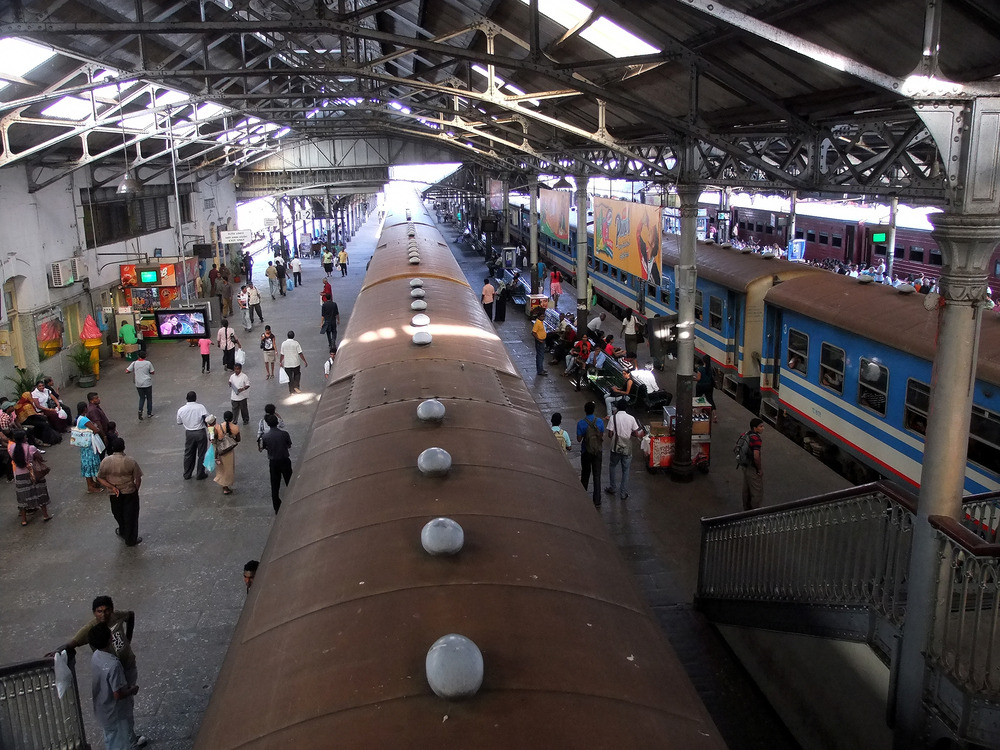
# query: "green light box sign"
{"points": [[879, 237]]}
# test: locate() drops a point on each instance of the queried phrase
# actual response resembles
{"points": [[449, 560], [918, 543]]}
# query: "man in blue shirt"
{"points": [[590, 435]]}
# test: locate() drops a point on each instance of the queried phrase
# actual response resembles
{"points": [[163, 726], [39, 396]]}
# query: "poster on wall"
{"points": [[143, 299], [129, 275], [167, 275], [496, 195], [627, 236], [553, 214]]}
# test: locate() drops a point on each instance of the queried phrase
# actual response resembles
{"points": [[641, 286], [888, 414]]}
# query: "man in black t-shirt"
{"points": [[277, 443], [331, 319]]}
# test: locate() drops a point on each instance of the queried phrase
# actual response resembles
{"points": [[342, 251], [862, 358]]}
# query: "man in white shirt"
{"points": [[621, 426], [239, 382], [192, 417], [296, 265], [292, 360], [226, 340], [142, 371]]}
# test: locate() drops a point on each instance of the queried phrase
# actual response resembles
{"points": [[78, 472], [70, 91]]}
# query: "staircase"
{"points": [[835, 566]]}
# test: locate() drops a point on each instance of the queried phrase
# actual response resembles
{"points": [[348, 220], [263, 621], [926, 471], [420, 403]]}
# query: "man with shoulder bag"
{"points": [[622, 426]]}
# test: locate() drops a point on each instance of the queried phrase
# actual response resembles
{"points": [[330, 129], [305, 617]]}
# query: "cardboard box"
{"points": [[701, 427]]}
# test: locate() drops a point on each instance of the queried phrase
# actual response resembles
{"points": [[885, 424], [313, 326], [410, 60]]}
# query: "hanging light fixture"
{"points": [[129, 184], [563, 184]]}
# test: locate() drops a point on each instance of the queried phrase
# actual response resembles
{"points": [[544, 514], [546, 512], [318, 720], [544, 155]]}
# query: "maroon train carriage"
{"points": [[332, 648]]}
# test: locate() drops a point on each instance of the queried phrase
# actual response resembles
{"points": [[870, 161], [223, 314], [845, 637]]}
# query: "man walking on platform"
{"points": [[239, 382], [290, 360], [277, 443], [622, 427], [272, 277], [192, 417], [253, 299], [330, 313], [539, 334], [142, 371], [279, 267], [122, 477], [753, 469], [590, 435]]}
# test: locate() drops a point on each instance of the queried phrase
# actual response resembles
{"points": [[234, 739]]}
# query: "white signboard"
{"points": [[236, 237], [271, 223]]}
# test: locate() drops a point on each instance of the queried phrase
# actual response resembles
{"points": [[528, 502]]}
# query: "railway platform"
{"points": [[185, 580]]}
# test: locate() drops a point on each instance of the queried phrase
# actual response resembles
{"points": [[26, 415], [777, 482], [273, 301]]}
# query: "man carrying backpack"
{"points": [[621, 426], [590, 435], [749, 459]]}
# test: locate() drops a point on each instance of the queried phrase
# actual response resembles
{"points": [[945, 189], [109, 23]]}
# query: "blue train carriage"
{"points": [[729, 309], [853, 373]]}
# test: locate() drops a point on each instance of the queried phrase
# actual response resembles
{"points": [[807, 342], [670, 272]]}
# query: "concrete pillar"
{"points": [[890, 250], [281, 220], [967, 242], [506, 212], [533, 237], [793, 199], [687, 277], [582, 303]]}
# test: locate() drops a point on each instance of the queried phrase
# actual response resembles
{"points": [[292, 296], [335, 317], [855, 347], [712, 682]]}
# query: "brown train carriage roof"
{"points": [[882, 314], [732, 268], [330, 648], [392, 254]]}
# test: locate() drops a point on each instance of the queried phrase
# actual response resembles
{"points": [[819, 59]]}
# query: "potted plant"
{"points": [[25, 380], [80, 356]]}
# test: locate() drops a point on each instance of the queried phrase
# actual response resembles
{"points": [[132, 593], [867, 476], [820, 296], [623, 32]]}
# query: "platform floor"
{"points": [[185, 580]]}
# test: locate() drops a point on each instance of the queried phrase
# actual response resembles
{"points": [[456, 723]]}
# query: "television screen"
{"points": [[182, 324], [149, 277]]}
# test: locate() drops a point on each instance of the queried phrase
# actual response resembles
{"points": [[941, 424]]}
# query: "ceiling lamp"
{"points": [[129, 184], [563, 184]]}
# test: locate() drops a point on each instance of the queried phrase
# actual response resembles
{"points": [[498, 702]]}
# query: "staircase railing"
{"points": [[837, 565]]}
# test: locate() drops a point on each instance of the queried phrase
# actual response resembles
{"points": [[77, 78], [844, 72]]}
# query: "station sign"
{"points": [[271, 223], [236, 237]]}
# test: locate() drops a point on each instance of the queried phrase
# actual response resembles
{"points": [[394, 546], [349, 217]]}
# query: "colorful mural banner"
{"points": [[496, 195], [627, 236], [553, 214]]}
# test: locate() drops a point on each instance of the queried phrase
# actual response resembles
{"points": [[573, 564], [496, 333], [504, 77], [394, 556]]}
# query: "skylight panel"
{"points": [[18, 57], [171, 97], [568, 13], [616, 41], [209, 110], [69, 108], [138, 121], [282, 133]]}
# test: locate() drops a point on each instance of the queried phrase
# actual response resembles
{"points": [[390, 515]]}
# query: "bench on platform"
{"points": [[612, 375], [518, 292]]}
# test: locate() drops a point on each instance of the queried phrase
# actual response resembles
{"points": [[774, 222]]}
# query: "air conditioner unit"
{"points": [[61, 274], [79, 268]]}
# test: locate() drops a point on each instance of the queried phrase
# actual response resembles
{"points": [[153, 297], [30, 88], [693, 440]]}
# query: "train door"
{"points": [[849, 239], [640, 296]]}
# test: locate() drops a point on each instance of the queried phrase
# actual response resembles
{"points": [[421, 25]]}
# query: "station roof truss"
{"points": [[825, 98]]}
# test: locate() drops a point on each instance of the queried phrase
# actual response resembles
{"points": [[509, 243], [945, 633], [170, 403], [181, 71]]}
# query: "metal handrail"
{"points": [[32, 715], [850, 548]]}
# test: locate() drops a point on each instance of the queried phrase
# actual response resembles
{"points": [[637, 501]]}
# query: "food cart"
{"points": [[662, 436]]}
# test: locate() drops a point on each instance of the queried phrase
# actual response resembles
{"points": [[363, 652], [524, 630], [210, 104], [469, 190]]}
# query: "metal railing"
{"points": [[965, 637], [815, 559], [32, 715], [848, 549]]}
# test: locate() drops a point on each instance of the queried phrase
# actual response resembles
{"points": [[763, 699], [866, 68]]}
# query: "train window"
{"points": [[836, 240], [916, 254], [798, 350], [918, 403], [934, 257], [715, 313], [697, 305], [984, 438], [604, 268], [810, 236], [665, 292], [742, 225], [760, 227], [879, 249], [873, 385], [798, 234], [900, 252], [824, 238], [768, 230], [831, 367]]}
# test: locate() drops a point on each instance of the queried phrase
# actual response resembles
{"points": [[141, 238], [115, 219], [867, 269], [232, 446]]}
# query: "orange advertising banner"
{"points": [[627, 236], [553, 214]]}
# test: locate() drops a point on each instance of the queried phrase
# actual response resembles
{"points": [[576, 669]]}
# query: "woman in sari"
{"points": [[28, 416], [225, 463], [32, 494], [90, 461]]}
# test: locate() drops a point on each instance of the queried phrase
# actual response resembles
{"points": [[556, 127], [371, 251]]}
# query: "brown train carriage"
{"points": [[330, 648]]}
